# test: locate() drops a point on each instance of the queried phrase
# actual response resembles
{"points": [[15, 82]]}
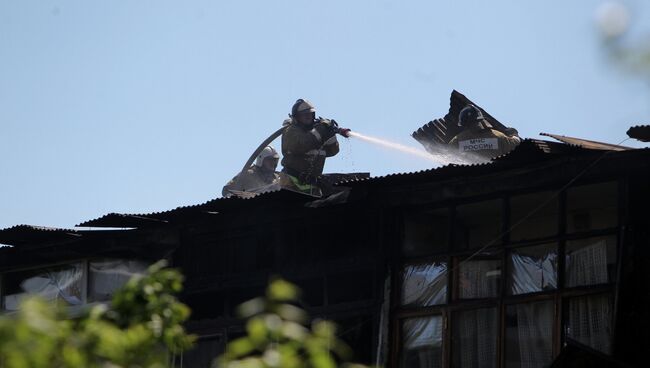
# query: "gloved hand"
{"points": [[326, 128]]}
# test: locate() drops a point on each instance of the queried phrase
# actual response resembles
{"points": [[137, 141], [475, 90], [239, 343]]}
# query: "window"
{"points": [[425, 284], [534, 215], [71, 284], [426, 232], [532, 269], [529, 334], [590, 261], [105, 277], [422, 342], [203, 354], [592, 207], [589, 321], [477, 224], [63, 284], [479, 278], [468, 320], [475, 338]]}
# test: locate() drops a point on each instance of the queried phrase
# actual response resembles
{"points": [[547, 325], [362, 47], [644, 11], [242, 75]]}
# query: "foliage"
{"points": [[277, 335], [142, 324]]}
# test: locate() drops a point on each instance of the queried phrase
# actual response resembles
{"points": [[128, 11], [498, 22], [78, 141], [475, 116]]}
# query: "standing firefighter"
{"points": [[258, 178], [478, 138], [306, 142]]}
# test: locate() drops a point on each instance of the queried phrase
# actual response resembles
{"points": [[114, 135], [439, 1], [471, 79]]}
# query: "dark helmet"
{"points": [[468, 115], [302, 106]]}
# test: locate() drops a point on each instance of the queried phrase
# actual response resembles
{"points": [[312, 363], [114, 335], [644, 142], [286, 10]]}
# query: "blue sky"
{"points": [[139, 106]]}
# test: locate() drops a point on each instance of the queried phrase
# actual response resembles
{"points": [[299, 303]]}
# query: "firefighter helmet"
{"points": [[302, 106], [468, 115], [267, 152]]}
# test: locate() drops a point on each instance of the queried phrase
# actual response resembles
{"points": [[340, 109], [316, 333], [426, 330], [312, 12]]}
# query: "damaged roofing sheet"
{"points": [[585, 143]]}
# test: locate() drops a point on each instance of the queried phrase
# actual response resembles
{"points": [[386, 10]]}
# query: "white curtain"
{"points": [[587, 265], [590, 321], [535, 334], [476, 336], [479, 279], [531, 274]]}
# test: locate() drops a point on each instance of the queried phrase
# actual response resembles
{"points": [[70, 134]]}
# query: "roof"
{"points": [[207, 209], [585, 143], [640, 132], [441, 131], [28, 234], [530, 150]]}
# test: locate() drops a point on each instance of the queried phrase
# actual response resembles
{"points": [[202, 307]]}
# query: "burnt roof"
{"points": [[585, 143], [640, 132], [207, 209], [529, 151], [28, 234]]}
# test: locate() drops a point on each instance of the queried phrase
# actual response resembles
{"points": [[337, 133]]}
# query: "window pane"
{"points": [[591, 207], [426, 232], [107, 276], [59, 283], [479, 279], [543, 222], [533, 269], [425, 284], [590, 261], [590, 321], [475, 338], [529, 335], [477, 224], [422, 342]]}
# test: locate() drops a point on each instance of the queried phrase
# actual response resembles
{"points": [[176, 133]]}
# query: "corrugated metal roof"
{"points": [[640, 132], [585, 143], [28, 234], [209, 208], [530, 150]]}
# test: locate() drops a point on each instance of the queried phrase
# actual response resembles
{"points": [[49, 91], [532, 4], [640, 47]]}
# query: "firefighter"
{"points": [[306, 142], [478, 138], [260, 177]]}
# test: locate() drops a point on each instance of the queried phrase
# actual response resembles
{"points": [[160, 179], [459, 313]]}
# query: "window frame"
{"points": [[502, 249]]}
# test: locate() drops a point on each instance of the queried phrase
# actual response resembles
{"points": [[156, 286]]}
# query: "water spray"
{"points": [[443, 156]]}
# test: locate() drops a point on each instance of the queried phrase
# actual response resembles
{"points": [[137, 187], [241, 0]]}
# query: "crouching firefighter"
{"points": [[306, 142], [258, 178]]}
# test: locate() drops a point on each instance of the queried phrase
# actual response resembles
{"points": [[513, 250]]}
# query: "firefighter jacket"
{"points": [[484, 142], [304, 150], [255, 179]]}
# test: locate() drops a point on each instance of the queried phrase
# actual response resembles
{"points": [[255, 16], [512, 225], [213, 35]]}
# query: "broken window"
{"points": [[533, 216], [591, 207], [425, 284], [590, 261], [590, 321], [479, 278], [529, 334], [477, 224], [422, 342], [63, 284], [475, 338], [533, 269], [105, 277], [426, 232]]}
